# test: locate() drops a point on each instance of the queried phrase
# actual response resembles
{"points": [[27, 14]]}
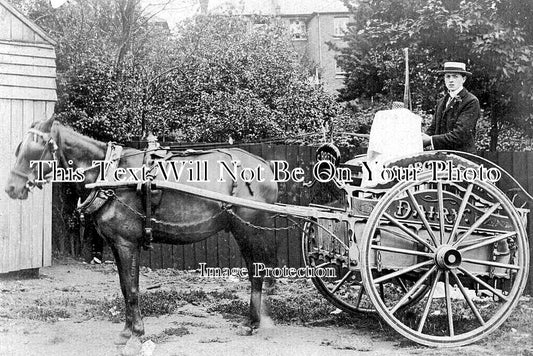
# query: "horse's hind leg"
{"points": [[127, 255], [257, 246]]}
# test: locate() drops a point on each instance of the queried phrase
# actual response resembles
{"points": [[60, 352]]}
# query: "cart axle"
{"points": [[447, 257]]}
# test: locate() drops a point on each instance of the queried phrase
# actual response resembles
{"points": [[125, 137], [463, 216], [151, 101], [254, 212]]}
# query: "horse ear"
{"points": [[46, 125]]}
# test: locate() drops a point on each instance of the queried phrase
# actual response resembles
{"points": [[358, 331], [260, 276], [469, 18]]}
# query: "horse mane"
{"points": [[62, 128], [69, 139]]}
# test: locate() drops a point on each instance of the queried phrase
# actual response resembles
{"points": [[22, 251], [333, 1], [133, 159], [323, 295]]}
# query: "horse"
{"points": [[178, 218]]}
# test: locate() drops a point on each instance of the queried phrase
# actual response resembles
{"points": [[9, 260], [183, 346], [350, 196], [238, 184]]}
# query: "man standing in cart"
{"points": [[454, 123]]}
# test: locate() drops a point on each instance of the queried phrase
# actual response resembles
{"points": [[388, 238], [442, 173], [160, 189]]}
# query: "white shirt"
{"points": [[454, 93]]}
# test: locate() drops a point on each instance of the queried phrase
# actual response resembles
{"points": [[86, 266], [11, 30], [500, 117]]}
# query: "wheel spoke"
{"points": [[474, 226], [395, 233], [486, 285], [462, 209], [467, 298], [401, 250], [413, 289], [487, 241], [407, 231], [422, 217], [448, 302], [490, 263], [322, 265], [402, 284], [359, 296], [403, 271], [341, 282], [440, 199], [428, 303]]}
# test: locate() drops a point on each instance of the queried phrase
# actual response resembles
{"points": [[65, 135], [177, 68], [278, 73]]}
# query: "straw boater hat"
{"points": [[455, 67]]}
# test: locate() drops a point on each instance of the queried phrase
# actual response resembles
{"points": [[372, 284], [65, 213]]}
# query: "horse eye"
{"points": [[18, 150]]}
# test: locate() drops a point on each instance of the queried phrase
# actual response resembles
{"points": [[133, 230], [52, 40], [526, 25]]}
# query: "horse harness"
{"points": [[149, 197], [49, 146], [98, 197]]}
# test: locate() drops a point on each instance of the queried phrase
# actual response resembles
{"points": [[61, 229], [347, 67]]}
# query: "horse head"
{"points": [[37, 145]]}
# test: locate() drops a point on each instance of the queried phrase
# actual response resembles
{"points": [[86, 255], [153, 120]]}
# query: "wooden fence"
{"points": [[223, 251]]}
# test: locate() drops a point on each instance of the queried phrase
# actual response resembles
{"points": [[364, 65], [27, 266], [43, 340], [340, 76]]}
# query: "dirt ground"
{"points": [[75, 309]]}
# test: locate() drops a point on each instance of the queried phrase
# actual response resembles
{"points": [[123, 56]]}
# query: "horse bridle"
{"points": [[50, 146]]}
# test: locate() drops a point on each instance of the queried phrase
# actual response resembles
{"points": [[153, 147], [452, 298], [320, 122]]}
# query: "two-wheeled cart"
{"points": [[443, 261]]}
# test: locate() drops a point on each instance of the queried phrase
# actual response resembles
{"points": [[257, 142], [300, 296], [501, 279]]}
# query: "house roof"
{"points": [[27, 22], [279, 7]]}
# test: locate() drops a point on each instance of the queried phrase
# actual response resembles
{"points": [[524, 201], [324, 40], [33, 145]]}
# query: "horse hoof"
{"points": [[133, 347], [266, 322], [123, 337]]}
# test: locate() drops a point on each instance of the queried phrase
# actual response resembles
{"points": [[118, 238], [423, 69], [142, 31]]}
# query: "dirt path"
{"points": [[74, 309]]}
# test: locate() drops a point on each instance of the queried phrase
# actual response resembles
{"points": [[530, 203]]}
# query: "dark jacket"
{"points": [[454, 127]]}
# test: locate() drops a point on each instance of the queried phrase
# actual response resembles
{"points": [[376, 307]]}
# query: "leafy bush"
{"points": [[219, 77]]}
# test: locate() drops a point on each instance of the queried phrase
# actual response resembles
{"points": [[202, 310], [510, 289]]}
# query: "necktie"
{"points": [[450, 99]]}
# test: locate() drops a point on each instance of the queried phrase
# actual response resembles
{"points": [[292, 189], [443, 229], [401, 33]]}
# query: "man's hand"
{"points": [[426, 139]]}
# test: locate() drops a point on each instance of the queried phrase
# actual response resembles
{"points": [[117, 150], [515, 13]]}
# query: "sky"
{"points": [[172, 11]]}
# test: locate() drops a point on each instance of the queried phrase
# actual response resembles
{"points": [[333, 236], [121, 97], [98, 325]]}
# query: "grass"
{"points": [[157, 303], [36, 312], [233, 309], [302, 309], [166, 334], [293, 302]]}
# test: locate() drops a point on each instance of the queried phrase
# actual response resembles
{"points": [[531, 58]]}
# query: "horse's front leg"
{"points": [[127, 255]]}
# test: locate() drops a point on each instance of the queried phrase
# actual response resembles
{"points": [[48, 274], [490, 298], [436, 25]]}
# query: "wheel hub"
{"points": [[447, 257]]}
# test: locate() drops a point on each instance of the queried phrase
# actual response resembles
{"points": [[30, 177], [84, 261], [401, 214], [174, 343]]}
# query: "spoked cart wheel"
{"points": [[327, 246], [465, 241], [322, 248]]}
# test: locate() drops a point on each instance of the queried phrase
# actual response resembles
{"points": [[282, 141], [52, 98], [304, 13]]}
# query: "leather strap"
{"points": [[97, 198]]}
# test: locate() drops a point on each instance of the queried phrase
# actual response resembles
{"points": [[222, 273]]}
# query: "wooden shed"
{"points": [[27, 94]]}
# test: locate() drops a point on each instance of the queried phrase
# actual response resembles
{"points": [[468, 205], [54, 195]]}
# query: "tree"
{"points": [[106, 52], [218, 77], [494, 39], [240, 78]]}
